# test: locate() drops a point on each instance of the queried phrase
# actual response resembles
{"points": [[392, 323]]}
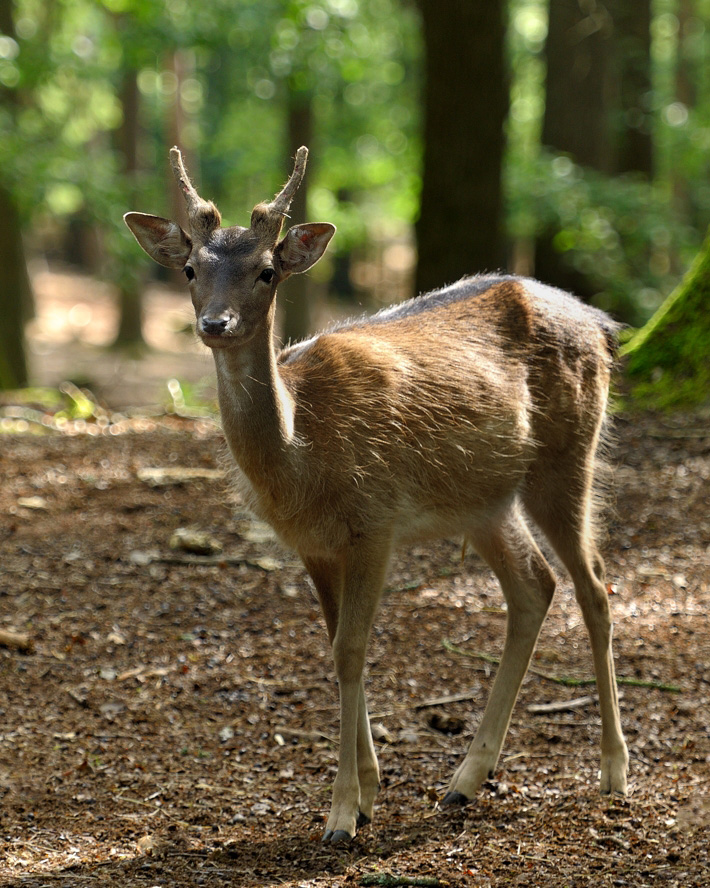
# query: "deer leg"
{"points": [[328, 578], [566, 522], [528, 586], [585, 566], [592, 597], [352, 800]]}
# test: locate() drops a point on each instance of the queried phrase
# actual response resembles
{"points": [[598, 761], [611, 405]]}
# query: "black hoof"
{"points": [[339, 837], [454, 798], [362, 819]]}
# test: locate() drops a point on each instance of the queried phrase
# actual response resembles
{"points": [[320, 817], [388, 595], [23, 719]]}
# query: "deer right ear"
{"points": [[162, 239], [303, 246]]}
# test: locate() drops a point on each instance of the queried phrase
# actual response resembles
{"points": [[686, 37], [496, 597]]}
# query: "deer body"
{"points": [[464, 412]]}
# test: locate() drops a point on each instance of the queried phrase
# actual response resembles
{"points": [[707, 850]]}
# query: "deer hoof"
{"points": [[337, 837], [454, 798], [362, 819]]}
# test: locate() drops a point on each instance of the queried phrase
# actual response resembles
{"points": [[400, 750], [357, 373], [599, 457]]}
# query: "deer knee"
{"points": [[594, 603], [546, 580], [349, 659]]}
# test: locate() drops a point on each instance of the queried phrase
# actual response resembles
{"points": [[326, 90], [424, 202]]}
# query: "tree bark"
{"points": [[16, 291], [15, 296], [460, 226], [294, 293], [130, 327], [634, 143], [580, 82]]}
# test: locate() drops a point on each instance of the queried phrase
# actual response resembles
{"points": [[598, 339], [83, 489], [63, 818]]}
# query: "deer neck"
{"points": [[256, 407]]}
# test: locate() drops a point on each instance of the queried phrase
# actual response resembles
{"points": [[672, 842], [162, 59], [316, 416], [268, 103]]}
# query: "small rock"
{"points": [[111, 710], [445, 724], [195, 541], [408, 735], [146, 844], [142, 559], [379, 732], [36, 503], [256, 531], [268, 564], [166, 476]]}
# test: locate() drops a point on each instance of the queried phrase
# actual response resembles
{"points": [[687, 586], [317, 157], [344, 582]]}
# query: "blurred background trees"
{"points": [[563, 138]]}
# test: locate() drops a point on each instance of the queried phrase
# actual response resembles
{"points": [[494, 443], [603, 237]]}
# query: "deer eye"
{"points": [[189, 272], [267, 275]]}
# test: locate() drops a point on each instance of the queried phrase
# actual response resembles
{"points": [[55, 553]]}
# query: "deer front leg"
{"points": [[329, 577], [358, 777]]}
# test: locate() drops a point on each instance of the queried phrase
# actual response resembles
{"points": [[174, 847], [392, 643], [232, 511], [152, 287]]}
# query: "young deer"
{"points": [[467, 411]]}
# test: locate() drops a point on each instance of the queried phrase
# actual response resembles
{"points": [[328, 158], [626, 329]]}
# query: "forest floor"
{"points": [[174, 719]]}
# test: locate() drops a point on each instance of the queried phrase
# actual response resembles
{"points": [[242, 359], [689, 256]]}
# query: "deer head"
{"points": [[233, 272]]}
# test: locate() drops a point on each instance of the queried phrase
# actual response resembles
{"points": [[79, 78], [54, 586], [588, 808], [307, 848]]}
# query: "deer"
{"points": [[473, 411]]}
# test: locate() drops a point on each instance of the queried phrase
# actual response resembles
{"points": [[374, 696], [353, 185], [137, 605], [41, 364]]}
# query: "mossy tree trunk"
{"points": [[667, 362]]}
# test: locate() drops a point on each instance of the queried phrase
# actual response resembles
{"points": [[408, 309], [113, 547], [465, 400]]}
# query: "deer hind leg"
{"points": [[528, 586], [349, 593], [566, 522]]}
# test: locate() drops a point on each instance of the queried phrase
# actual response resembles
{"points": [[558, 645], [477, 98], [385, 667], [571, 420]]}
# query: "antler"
{"points": [[267, 218], [203, 215], [282, 202]]}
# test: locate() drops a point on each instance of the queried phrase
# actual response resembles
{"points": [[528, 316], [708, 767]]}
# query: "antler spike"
{"points": [[282, 202], [203, 214]]}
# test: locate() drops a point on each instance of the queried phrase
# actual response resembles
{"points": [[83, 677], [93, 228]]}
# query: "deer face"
{"points": [[232, 272]]}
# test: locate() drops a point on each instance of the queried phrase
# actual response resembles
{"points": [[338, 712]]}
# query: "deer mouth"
{"points": [[219, 340]]}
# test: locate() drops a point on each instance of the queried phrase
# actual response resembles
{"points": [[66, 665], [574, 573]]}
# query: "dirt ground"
{"points": [[175, 721]]}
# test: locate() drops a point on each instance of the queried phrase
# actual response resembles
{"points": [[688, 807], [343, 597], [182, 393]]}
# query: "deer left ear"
{"points": [[162, 239], [303, 246]]}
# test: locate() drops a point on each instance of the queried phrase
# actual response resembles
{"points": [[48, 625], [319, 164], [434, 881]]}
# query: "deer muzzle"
{"points": [[217, 329]]}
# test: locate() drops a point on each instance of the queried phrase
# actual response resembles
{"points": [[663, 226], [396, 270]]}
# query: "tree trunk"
{"points": [[634, 143], [15, 296], [16, 292], [130, 327], [460, 226], [579, 82], [596, 91], [294, 293]]}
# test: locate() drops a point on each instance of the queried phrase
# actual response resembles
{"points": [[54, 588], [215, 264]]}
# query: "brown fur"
{"points": [[460, 412]]}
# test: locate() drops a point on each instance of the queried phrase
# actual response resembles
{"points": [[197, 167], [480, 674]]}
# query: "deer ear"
{"points": [[303, 246], [162, 239]]}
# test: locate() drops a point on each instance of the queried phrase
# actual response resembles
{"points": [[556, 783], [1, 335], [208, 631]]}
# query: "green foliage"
{"points": [[621, 233], [355, 60], [667, 360], [357, 64]]}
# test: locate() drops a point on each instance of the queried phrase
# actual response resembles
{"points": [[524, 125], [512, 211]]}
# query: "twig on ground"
{"points": [[560, 705], [564, 680], [389, 881]]}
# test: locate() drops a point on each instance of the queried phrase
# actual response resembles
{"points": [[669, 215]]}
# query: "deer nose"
{"points": [[215, 326]]}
